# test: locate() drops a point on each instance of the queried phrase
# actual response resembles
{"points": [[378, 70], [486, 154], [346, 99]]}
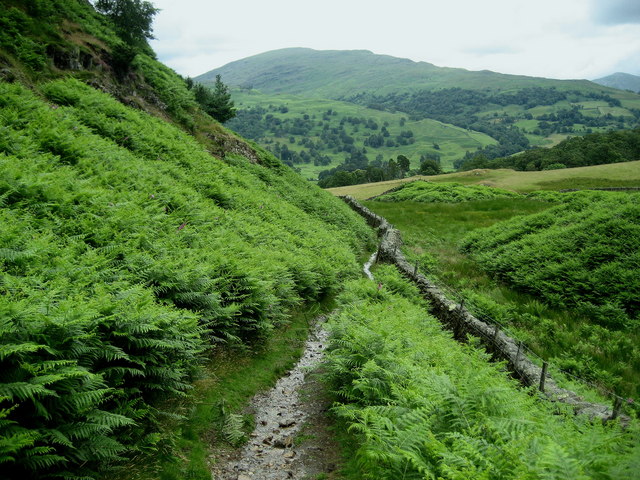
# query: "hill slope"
{"points": [[135, 241], [512, 112], [620, 80], [342, 73]]}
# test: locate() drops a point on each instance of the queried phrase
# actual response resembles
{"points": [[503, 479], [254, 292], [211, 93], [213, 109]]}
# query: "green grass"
{"points": [[429, 192], [432, 234], [626, 174]]}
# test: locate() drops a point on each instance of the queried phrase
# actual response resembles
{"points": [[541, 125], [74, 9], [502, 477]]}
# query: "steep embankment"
{"points": [[128, 251]]}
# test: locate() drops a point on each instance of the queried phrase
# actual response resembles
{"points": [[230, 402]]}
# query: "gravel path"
{"points": [[290, 440]]}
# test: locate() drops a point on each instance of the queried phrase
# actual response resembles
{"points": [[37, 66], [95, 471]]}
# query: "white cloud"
{"points": [[551, 38]]}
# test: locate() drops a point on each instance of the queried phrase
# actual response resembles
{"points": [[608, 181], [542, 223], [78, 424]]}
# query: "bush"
{"points": [[427, 192]]}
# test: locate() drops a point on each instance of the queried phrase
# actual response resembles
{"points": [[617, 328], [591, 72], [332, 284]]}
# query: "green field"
{"points": [[453, 141], [625, 174]]}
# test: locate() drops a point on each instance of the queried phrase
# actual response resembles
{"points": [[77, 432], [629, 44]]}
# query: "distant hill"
{"points": [[341, 73], [620, 80], [318, 110]]}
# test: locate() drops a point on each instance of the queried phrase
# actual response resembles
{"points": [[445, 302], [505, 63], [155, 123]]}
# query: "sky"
{"points": [[545, 38]]}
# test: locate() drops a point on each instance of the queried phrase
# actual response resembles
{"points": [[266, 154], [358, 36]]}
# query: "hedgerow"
{"points": [[444, 192], [420, 405], [126, 253]]}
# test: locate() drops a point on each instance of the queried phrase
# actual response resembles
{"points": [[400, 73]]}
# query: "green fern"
{"points": [[232, 429]]}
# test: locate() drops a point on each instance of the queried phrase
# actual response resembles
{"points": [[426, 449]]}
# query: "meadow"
{"points": [[626, 174]]}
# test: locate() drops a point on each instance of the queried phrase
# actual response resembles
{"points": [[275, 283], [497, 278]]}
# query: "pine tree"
{"points": [[221, 107], [216, 102]]}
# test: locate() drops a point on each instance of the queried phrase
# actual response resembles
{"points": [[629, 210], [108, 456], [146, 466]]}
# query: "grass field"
{"points": [[625, 174], [453, 141]]}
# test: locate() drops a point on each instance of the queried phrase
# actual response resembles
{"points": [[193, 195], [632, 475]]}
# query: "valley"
{"points": [[454, 114], [160, 272]]}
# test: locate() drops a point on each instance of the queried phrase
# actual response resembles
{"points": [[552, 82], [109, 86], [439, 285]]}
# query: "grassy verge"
{"points": [[228, 381], [570, 341]]}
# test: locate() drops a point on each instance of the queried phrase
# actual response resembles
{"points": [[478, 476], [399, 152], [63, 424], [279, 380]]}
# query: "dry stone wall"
{"points": [[461, 322]]}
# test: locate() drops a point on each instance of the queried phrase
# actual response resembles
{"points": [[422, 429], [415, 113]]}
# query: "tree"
{"points": [[404, 164], [221, 107], [429, 167], [216, 102], [133, 18]]}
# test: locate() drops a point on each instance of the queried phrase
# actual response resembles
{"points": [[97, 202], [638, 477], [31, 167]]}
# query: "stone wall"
{"points": [[461, 322]]}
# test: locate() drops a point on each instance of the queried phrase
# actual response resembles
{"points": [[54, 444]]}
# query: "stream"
{"points": [[367, 266]]}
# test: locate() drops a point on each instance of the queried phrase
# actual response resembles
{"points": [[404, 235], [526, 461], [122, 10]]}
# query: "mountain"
{"points": [[140, 239], [622, 81], [342, 73], [324, 110]]}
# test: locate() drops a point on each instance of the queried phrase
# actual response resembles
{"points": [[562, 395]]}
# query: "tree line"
{"points": [[357, 169], [591, 149]]}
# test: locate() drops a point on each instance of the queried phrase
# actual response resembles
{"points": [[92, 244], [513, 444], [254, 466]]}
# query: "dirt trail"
{"points": [[291, 439]]}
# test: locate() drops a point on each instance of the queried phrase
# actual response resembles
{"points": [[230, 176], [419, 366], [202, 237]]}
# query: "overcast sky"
{"points": [[547, 38]]}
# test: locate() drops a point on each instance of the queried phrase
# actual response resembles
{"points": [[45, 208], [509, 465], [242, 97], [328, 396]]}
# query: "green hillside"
{"points": [[622, 81], [136, 245], [342, 73], [513, 113], [325, 132]]}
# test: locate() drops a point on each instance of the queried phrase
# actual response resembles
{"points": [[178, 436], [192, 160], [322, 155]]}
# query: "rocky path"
{"points": [[291, 438]]}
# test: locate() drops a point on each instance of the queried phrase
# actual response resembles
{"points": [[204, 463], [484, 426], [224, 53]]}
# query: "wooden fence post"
{"points": [[415, 269], [617, 405], [543, 375], [495, 335], [518, 354]]}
